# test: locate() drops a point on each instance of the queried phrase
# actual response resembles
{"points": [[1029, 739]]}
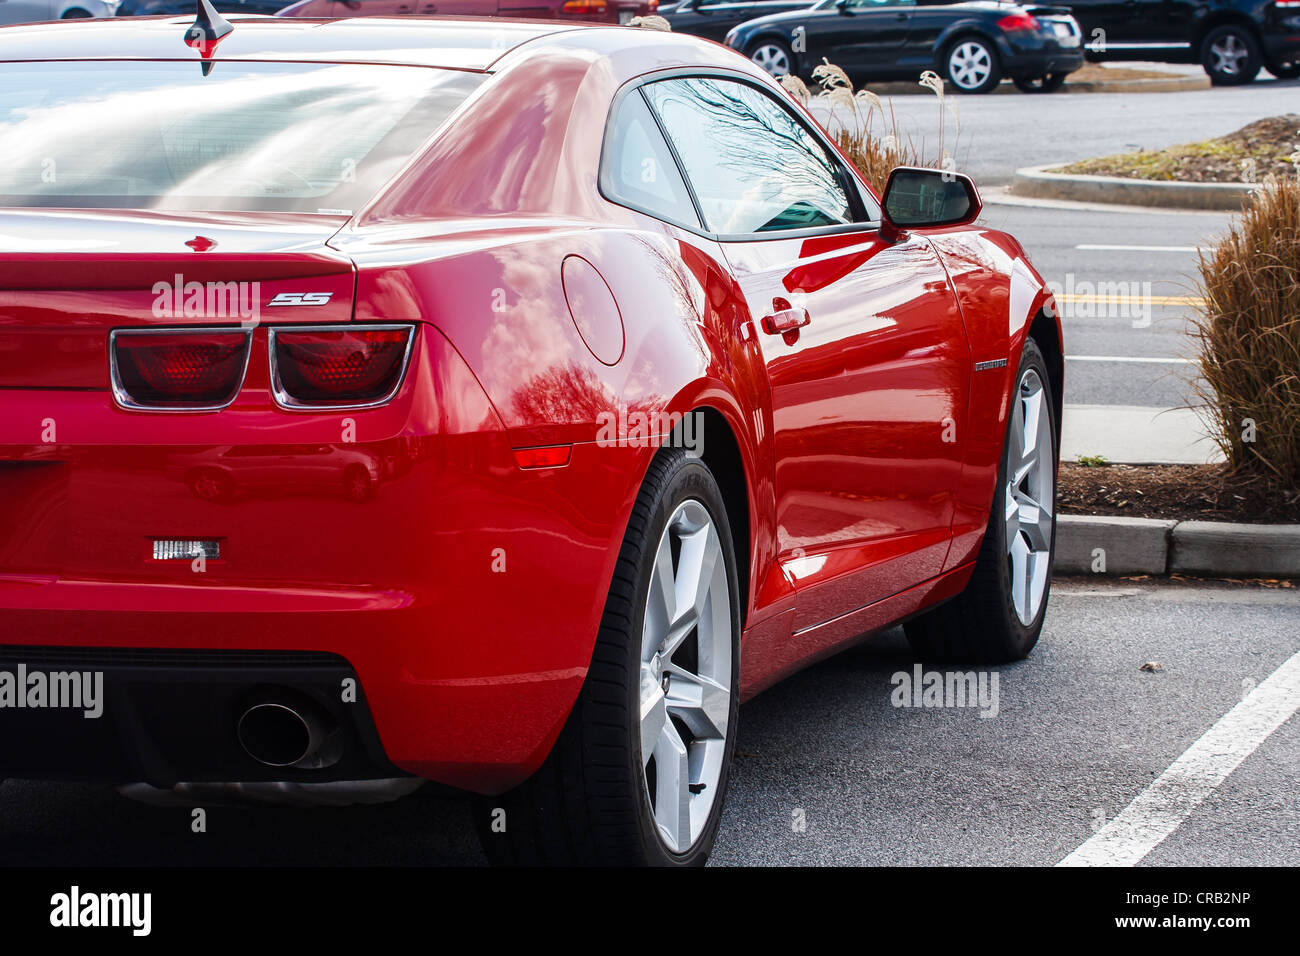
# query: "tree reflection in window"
{"points": [[752, 163]]}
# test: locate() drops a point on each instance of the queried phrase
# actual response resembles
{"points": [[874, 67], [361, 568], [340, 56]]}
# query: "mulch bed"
{"points": [[1179, 492], [1270, 143]]}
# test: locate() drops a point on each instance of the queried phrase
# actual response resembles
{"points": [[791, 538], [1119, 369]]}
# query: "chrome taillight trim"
{"points": [[125, 401], [287, 402]]}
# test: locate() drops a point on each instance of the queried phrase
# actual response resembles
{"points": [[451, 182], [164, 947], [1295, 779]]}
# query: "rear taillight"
{"points": [[584, 8], [1017, 21], [338, 367], [195, 370]]}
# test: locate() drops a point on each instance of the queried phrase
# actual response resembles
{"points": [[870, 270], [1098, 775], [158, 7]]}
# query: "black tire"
{"points": [[1283, 71], [1242, 38], [1039, 84], [994, 76], [76, 13], [780, 47], [588, 805], [980, 625]]}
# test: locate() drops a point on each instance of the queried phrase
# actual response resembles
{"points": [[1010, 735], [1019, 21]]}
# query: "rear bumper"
{"points": [[1282, 47], [461, 591], [169, 717], [1032, 56]]}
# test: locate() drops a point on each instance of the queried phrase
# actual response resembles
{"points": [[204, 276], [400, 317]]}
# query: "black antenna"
{"points": [[208, 29]]}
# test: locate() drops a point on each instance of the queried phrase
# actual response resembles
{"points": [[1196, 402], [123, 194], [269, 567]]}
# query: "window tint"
{"points": [[754, 167], [639, 169]]}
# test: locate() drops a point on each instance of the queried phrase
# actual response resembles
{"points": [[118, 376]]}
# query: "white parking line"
{"points": [[1108, 248], [1127, 358], [1162, 807]]}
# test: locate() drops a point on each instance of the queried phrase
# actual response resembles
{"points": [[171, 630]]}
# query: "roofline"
{"points": [[255, 18]]}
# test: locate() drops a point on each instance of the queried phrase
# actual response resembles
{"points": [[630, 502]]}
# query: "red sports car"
{"points": [[657, 402]]}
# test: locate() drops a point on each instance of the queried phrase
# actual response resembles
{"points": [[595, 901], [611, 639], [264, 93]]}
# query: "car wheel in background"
{"points": [[773, 56], [76, 13], [1040, 84], [999, 615], [1230, 54], [1283, 71], [212, 485], [640, 770], [356, 483], [971, 65]]}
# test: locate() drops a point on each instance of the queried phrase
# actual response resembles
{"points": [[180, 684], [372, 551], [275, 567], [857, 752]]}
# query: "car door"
{"points": [[1108, 25], [712, 19], [862, 37], [862, 340], [1165, 23]]}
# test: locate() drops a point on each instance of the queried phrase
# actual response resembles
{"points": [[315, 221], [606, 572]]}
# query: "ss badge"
{"points": [[301, 298]]}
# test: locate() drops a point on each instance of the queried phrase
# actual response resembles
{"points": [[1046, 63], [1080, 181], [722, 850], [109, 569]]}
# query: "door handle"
{"points": [[785, 319]]}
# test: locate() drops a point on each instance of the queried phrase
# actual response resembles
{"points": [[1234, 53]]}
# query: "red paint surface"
{"points": [[860, 510]]}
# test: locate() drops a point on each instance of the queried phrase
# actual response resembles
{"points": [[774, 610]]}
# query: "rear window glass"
{"points": [[290, 137]]}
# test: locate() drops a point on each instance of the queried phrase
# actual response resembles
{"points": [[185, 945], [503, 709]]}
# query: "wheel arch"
{"points": [[720, 452], [772, 33], [1222, 18], [1045, 330], [956, 31]]}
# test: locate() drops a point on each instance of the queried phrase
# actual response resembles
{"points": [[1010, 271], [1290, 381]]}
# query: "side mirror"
{"points": [[916, 198], [842, 6]]}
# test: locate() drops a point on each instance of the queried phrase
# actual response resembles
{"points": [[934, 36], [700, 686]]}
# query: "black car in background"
{"points": [[1231, 39], [712, 19], [973, 45]]}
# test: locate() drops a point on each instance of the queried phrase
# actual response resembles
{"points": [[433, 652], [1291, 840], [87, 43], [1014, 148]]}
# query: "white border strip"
{"points": [[1162, 807]]}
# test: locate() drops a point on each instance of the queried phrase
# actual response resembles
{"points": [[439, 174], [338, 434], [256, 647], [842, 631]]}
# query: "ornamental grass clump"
{"points": [[865, 129], [1248, 339]]}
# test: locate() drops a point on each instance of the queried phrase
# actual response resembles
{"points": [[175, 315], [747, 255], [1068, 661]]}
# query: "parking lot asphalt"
{"points": [[831, 772], [1120, 351], [1129, 273], [1000, 134]]}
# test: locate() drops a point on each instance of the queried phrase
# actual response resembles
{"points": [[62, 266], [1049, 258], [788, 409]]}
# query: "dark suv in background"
{"points": [[1232, 39]]}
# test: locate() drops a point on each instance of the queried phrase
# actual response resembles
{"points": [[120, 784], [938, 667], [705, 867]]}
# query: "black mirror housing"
{"points": [[916, 198]]}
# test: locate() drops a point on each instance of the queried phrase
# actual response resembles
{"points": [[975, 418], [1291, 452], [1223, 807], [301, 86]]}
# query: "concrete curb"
{"points": [[1104, 544], [1172, 85], [1040, 182]]}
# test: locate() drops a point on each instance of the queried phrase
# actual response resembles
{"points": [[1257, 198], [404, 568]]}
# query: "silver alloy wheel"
{"points": [[1229, 54], [772, 58], [969, 64], [1029, 496], [685, 686]]}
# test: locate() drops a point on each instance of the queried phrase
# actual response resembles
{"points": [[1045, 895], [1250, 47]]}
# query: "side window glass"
{"points": [[640, 171], [753, 165]]}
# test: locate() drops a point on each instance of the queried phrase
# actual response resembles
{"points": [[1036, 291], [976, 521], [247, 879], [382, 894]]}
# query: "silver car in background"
{"points": [[34, 11]]}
